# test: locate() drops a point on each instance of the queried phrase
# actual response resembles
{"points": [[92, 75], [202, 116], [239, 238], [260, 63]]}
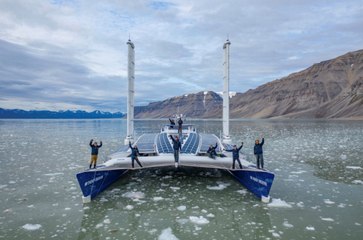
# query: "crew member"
{"points": [[172, 123], [134, 155], [235, 154], [212, 151], [177, 148], [94, 152], [257, 149]]}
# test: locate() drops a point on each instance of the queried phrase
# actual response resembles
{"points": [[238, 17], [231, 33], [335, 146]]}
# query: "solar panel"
{"points": [[146, 143], [163, 143], [191, 144], [207, 140]]}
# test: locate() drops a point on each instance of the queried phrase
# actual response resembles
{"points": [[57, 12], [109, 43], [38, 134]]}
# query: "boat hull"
{"points": [[94, 182], [256, 181]]}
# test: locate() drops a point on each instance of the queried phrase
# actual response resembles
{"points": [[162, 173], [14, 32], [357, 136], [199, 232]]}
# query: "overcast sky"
{"points": [[72, 54]]}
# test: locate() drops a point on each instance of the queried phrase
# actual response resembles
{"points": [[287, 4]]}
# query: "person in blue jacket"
{"points": [[257, 150], [177, 148], [134, 155], [235, 154], [212, 151], [94, 152]]}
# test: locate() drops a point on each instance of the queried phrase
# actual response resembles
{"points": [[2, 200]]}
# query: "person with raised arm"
{"points": [[258, 151], [134, 155], [212, 151], [235, 154], [94, 152], [177, 148]]}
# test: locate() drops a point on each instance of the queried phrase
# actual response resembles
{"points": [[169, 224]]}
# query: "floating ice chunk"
{"points": [[327, 201], [12, 182], [276, 202], [327, 219], [210, 215], [276, 235], [300, 204], [134, 195], [181, 208], [287, 224], [199, 220], [31, 227], [107, 221], [3, 186], [357, 182], [156, 199], [67, 209], [53, 174], [353, 167], [99, 225], [310, 228], [357, 224], [167, 234], [175, 188], [129, 207], [298, 172], [220, 186], [343, 157], [242, 191]]}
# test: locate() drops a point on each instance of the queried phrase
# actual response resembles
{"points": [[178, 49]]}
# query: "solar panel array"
{"points": [[191, 144], [146, 143], [207, 140], [163, 144]]}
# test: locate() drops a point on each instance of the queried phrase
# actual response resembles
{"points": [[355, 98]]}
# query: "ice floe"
{"points": [[156, 199], [181, 208], [167, 234], [199, 220], [310, 228], [31, 227], [353, 167], [287, 224], [134, 195], [327, 201], [220, 186], [327, 219], [129, 207], [276, 202], [357, 182]]}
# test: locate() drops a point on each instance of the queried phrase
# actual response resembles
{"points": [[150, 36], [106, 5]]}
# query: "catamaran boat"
{"points": [[156, 150]]}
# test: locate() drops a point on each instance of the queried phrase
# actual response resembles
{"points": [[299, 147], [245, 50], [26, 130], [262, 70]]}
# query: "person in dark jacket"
{"points": [[235, 154], [177, 148], [212, 151], [94, 152], [257, 150], [172, 123], [134, 155], [180, 126]]}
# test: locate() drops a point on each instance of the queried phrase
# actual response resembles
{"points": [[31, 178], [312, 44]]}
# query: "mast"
{"points": [[131, 92], [226, 137]]}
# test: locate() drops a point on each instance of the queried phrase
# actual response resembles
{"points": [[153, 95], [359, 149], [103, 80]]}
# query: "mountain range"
{"points": [[44, 114], [329, 89]]}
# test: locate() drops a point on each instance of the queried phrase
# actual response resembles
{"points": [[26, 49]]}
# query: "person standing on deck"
{"points": [[134, 155], [259, 152], [212, 151], [180, 126], [177, 148], [235, 154], [172, 123], [94, 152]]}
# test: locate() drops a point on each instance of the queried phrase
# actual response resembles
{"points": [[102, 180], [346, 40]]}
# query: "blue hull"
{"points": [[94, 182], [257, 182]]}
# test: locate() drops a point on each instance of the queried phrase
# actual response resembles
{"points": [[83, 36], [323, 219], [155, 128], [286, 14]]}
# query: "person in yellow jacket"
{"points": [[94, 152]]}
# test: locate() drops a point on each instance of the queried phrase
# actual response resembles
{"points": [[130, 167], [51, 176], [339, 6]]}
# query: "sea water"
{"points": [[317, 192]]}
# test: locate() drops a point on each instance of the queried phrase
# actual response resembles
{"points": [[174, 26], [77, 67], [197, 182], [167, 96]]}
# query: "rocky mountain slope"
{"points": [[330, 89]]}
